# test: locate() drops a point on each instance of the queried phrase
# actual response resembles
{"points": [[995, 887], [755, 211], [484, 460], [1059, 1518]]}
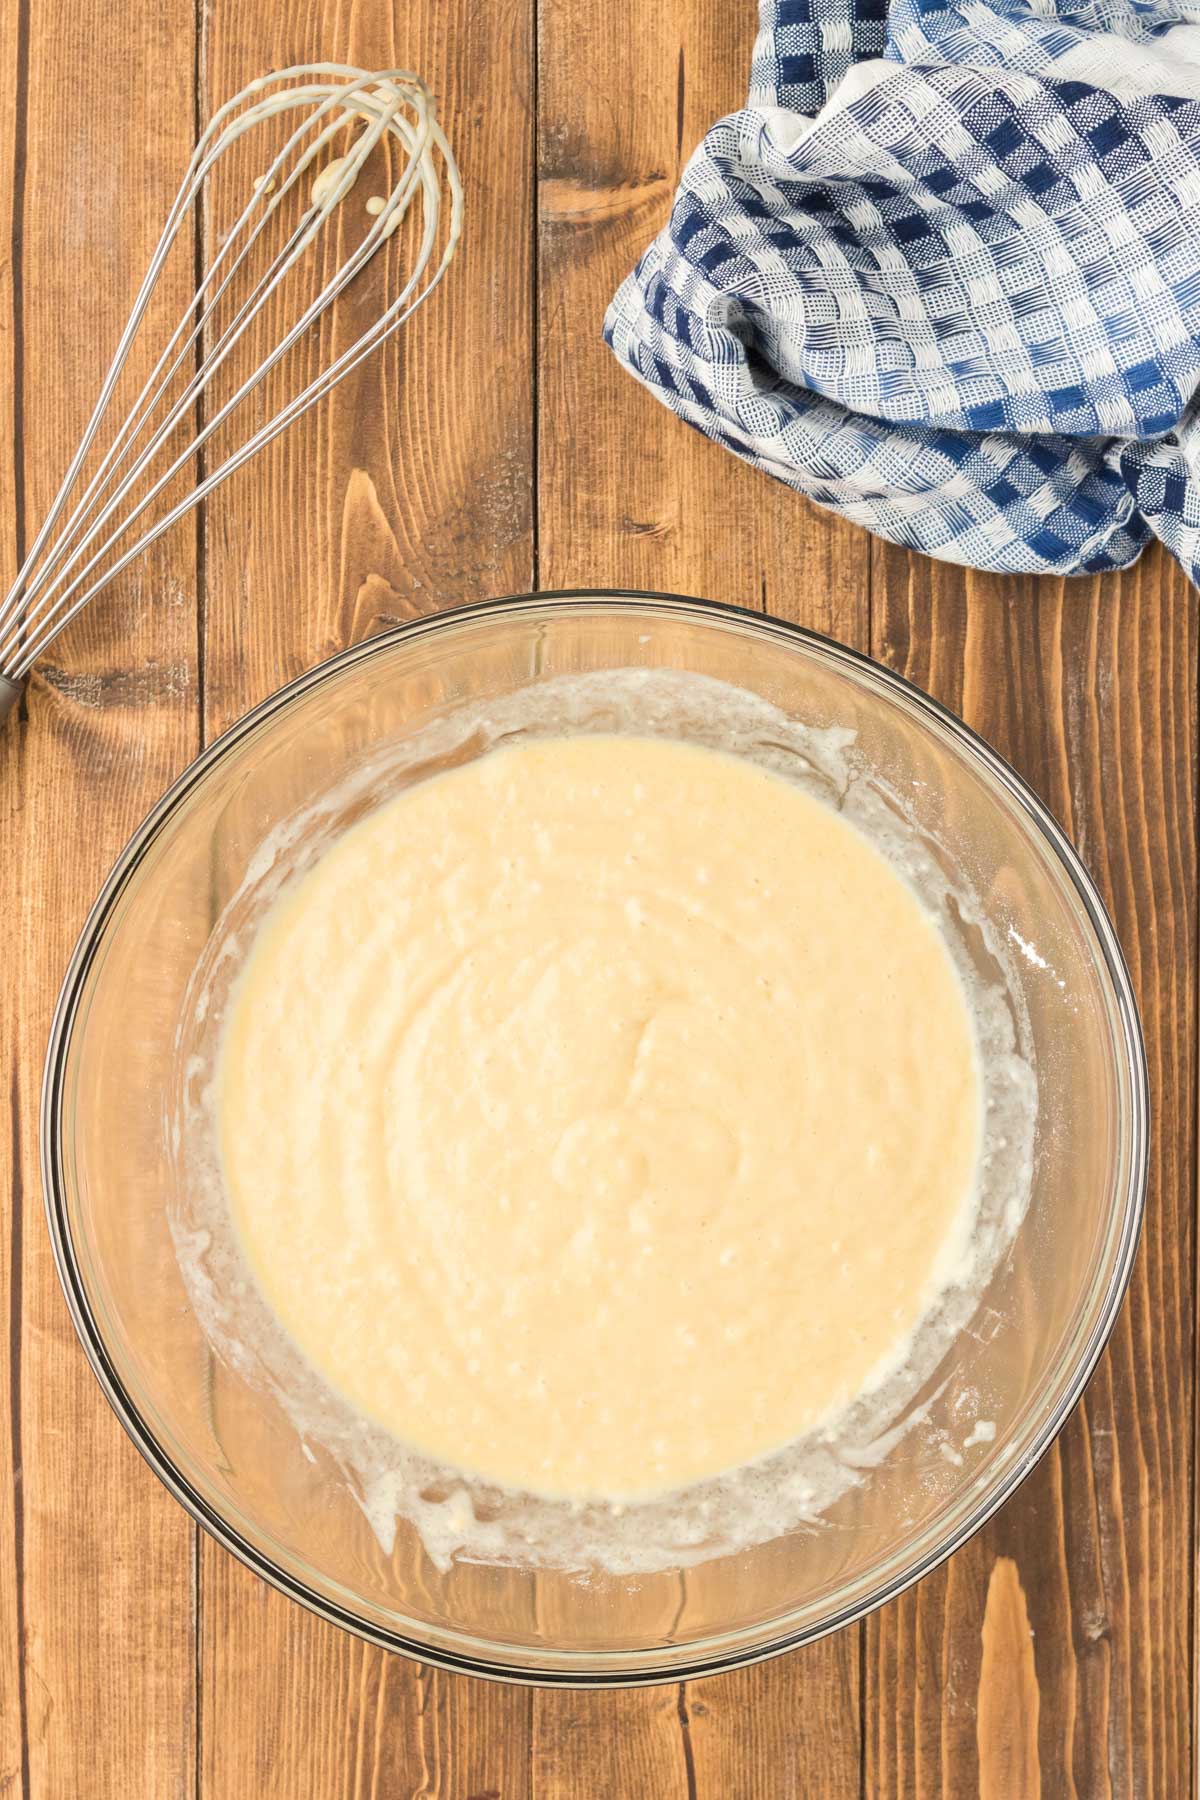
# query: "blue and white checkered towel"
{"points": [[942, 275]]}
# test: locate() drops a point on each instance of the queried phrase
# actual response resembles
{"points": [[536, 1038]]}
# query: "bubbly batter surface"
{"points": [[601, 1114]]}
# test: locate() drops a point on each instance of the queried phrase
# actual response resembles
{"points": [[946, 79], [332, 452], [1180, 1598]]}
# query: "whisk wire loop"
{"points": [[61, 574]]}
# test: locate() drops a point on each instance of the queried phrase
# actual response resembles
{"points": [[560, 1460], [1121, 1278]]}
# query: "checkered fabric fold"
{"points": [[942, 275]]}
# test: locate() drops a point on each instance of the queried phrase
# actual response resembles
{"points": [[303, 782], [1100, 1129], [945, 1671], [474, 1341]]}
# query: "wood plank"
{"points": [[96, 1625], [15, 1208], [1055, 1648], [411, 489], [673, 513]]}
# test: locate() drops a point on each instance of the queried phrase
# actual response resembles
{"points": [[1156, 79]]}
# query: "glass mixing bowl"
{"points": [[222, 1442]]}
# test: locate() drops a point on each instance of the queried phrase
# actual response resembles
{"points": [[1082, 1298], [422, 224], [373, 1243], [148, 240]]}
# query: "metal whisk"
{"points": [[82, 544]]}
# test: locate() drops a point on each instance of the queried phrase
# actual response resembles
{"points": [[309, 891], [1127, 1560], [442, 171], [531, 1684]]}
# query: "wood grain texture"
{"points": [[1009, 1698], [96, 1622], [16, 1210], [497, 443], [1090, 689]]}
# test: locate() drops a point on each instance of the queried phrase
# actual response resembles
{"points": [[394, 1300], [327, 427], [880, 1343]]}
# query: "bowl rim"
{"points": [[585, 1670]]}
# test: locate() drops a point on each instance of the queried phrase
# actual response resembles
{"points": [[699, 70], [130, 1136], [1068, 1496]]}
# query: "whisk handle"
{"points": [[10, 693]]}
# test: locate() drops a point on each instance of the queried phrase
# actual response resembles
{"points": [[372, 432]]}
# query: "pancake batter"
{"points": [[601, 1114]]}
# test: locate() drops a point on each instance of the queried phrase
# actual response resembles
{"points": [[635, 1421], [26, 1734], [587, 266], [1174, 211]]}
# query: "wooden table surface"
{"points": [[500, 448]]}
